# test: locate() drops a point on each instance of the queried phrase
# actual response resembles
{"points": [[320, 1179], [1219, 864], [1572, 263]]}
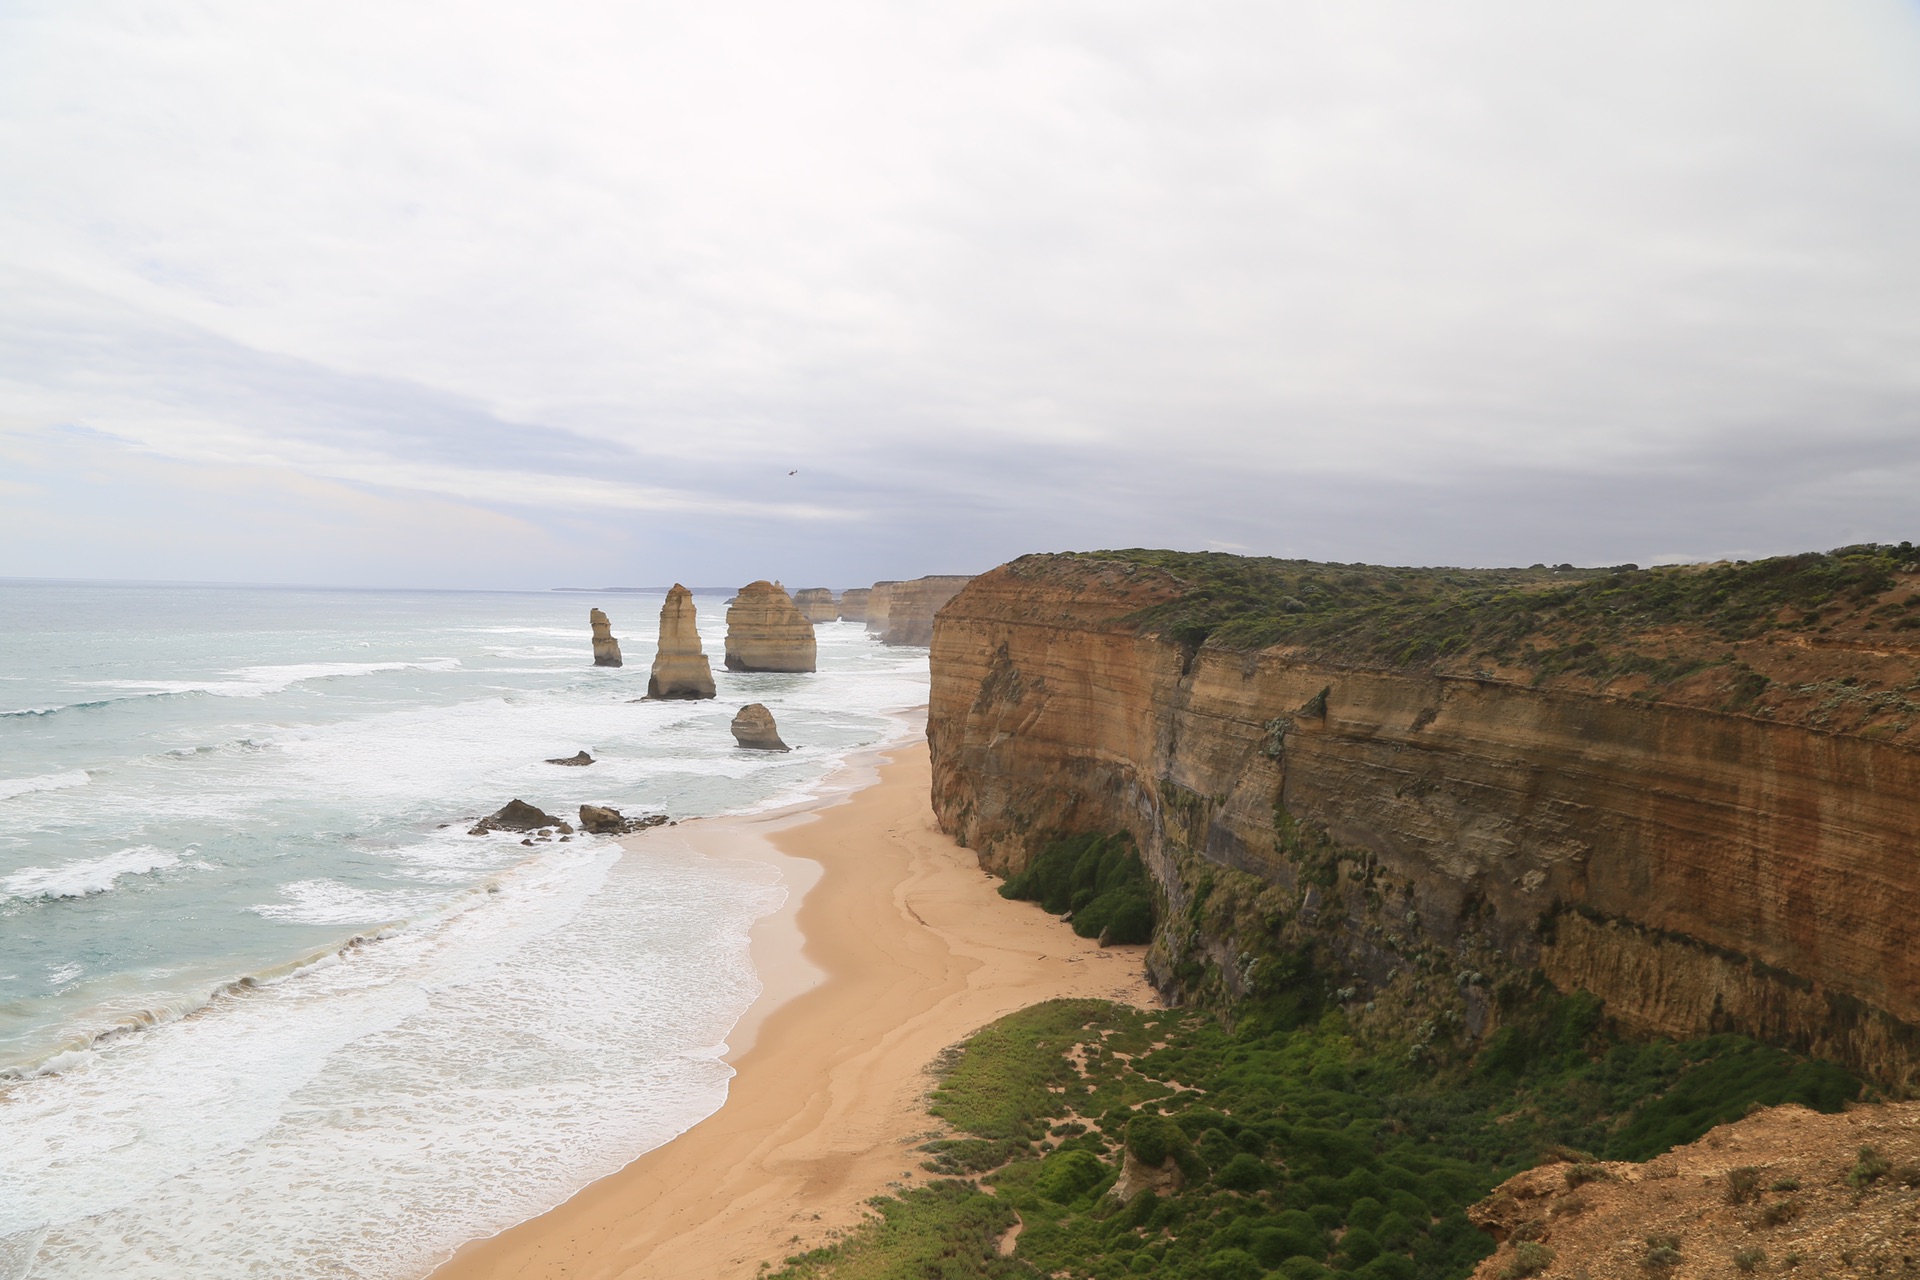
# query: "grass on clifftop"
{"points": [[1304, 1154], [1550, 618]]}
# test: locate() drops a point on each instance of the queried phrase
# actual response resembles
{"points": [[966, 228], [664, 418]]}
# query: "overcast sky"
{"points": [[495, 294]]}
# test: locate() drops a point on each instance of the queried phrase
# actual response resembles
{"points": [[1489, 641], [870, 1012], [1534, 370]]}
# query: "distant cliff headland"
{"points": [[1690, 791]]}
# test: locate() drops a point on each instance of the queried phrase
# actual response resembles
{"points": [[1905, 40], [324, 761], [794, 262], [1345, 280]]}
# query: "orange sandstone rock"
{"points": [[680, 669], [766, 633]]}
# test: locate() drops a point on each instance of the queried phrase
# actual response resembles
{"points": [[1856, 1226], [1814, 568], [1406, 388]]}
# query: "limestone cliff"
{"points": [[879, 600], [816, 604], [1708, 825], [853, 603], [606, 650], [766, 633], [911, 606], [680, 668]]}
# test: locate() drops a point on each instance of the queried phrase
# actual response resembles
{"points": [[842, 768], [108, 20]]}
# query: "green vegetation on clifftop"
{"points": [[1293, 1151], [1550, 619]]}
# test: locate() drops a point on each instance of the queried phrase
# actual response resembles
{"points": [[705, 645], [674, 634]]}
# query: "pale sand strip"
{"points": [[917, 950]]}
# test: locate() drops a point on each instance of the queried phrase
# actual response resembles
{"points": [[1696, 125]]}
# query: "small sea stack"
{"points": [[606, 650], [753, 728], [853, 603], [816, 604], [766, 633], [578, 760], [680, 669]]}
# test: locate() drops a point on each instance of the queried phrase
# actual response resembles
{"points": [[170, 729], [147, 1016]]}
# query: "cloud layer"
{"points": [[1484, 282]]}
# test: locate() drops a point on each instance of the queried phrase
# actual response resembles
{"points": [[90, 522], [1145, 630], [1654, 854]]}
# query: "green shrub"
{"points": [[1358, 1247], [1868, 1169], [1244, 1173], [1232, 1264], [1154, 1138], [1529, 1259], [1743, 1185], [1304, 1268], [1749, 1259], [1066, 1176], [1098, 878]]}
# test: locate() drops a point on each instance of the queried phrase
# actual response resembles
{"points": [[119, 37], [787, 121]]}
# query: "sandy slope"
{"points": [[914, 950]]}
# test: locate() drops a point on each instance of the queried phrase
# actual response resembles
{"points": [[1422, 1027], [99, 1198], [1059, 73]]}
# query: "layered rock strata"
{"points": [[1441, 835], [606, 650], [680, 668], [911, 607], [853, 603], [879, 603], [766, 633], [753, 728], [816, 604]]}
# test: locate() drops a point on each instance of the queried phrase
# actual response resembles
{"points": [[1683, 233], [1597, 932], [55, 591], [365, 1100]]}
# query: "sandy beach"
{"points": [[892, 946]]}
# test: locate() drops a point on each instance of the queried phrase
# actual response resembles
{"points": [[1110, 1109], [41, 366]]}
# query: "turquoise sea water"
{"points": [[266, 1009]]}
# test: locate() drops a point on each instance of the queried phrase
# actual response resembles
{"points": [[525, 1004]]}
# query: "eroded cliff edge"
{"points": [[1445, 785]]}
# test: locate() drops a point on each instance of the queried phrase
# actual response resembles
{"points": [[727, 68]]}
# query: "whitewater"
{"points": [[266, 1008]]}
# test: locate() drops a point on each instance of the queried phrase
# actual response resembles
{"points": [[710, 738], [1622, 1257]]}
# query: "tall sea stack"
{"points": [[606, 650], [816, 604], [853, 603], [680, 669], [766, 633]]}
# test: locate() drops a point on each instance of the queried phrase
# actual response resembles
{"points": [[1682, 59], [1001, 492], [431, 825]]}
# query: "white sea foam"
{"points": [[330, 902], [259, 681], [86, 876], [11, 787], [362, 1119]]}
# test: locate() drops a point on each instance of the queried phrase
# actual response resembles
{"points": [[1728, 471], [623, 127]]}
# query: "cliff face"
{"points": [[606, 650], [879, 606], [911, 605], [1439, 832], [766, 633], [853, 603], [816, 604], [680, 669]]}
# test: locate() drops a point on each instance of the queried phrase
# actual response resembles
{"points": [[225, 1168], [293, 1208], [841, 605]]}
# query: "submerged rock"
{"points": [[606, 650], [753, 727], [515, 815], [580, 759], [766, 633], [599, 820], [680, 669], [816, 604]]}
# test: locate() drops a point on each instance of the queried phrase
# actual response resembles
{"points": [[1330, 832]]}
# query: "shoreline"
{"points": [[891, 946]]}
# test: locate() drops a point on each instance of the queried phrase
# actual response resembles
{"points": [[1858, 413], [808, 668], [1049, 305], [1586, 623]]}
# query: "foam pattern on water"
{"points": [[266, 1008]]}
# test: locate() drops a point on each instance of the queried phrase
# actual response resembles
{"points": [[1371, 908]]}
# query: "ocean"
{"points": [[266, 1008]]}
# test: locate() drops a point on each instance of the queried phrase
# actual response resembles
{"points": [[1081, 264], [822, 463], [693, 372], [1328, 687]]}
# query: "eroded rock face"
{"points": [[816, 604], [1136, 1176], [680, 668], [879, 603], [911, 607], [853, 603], [514, 815], [1699, 869], [753, 728], [606, 650], [766, 633]]}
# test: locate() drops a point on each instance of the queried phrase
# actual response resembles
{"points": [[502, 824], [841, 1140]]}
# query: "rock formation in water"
{"points": [[766, 633], [816, 604], [606, 650], [680, 669], [515, 815], [853, 603], [1691, 792], [600, 820], [879, 597], [753, 727], [579, 759], [911, 607]]}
